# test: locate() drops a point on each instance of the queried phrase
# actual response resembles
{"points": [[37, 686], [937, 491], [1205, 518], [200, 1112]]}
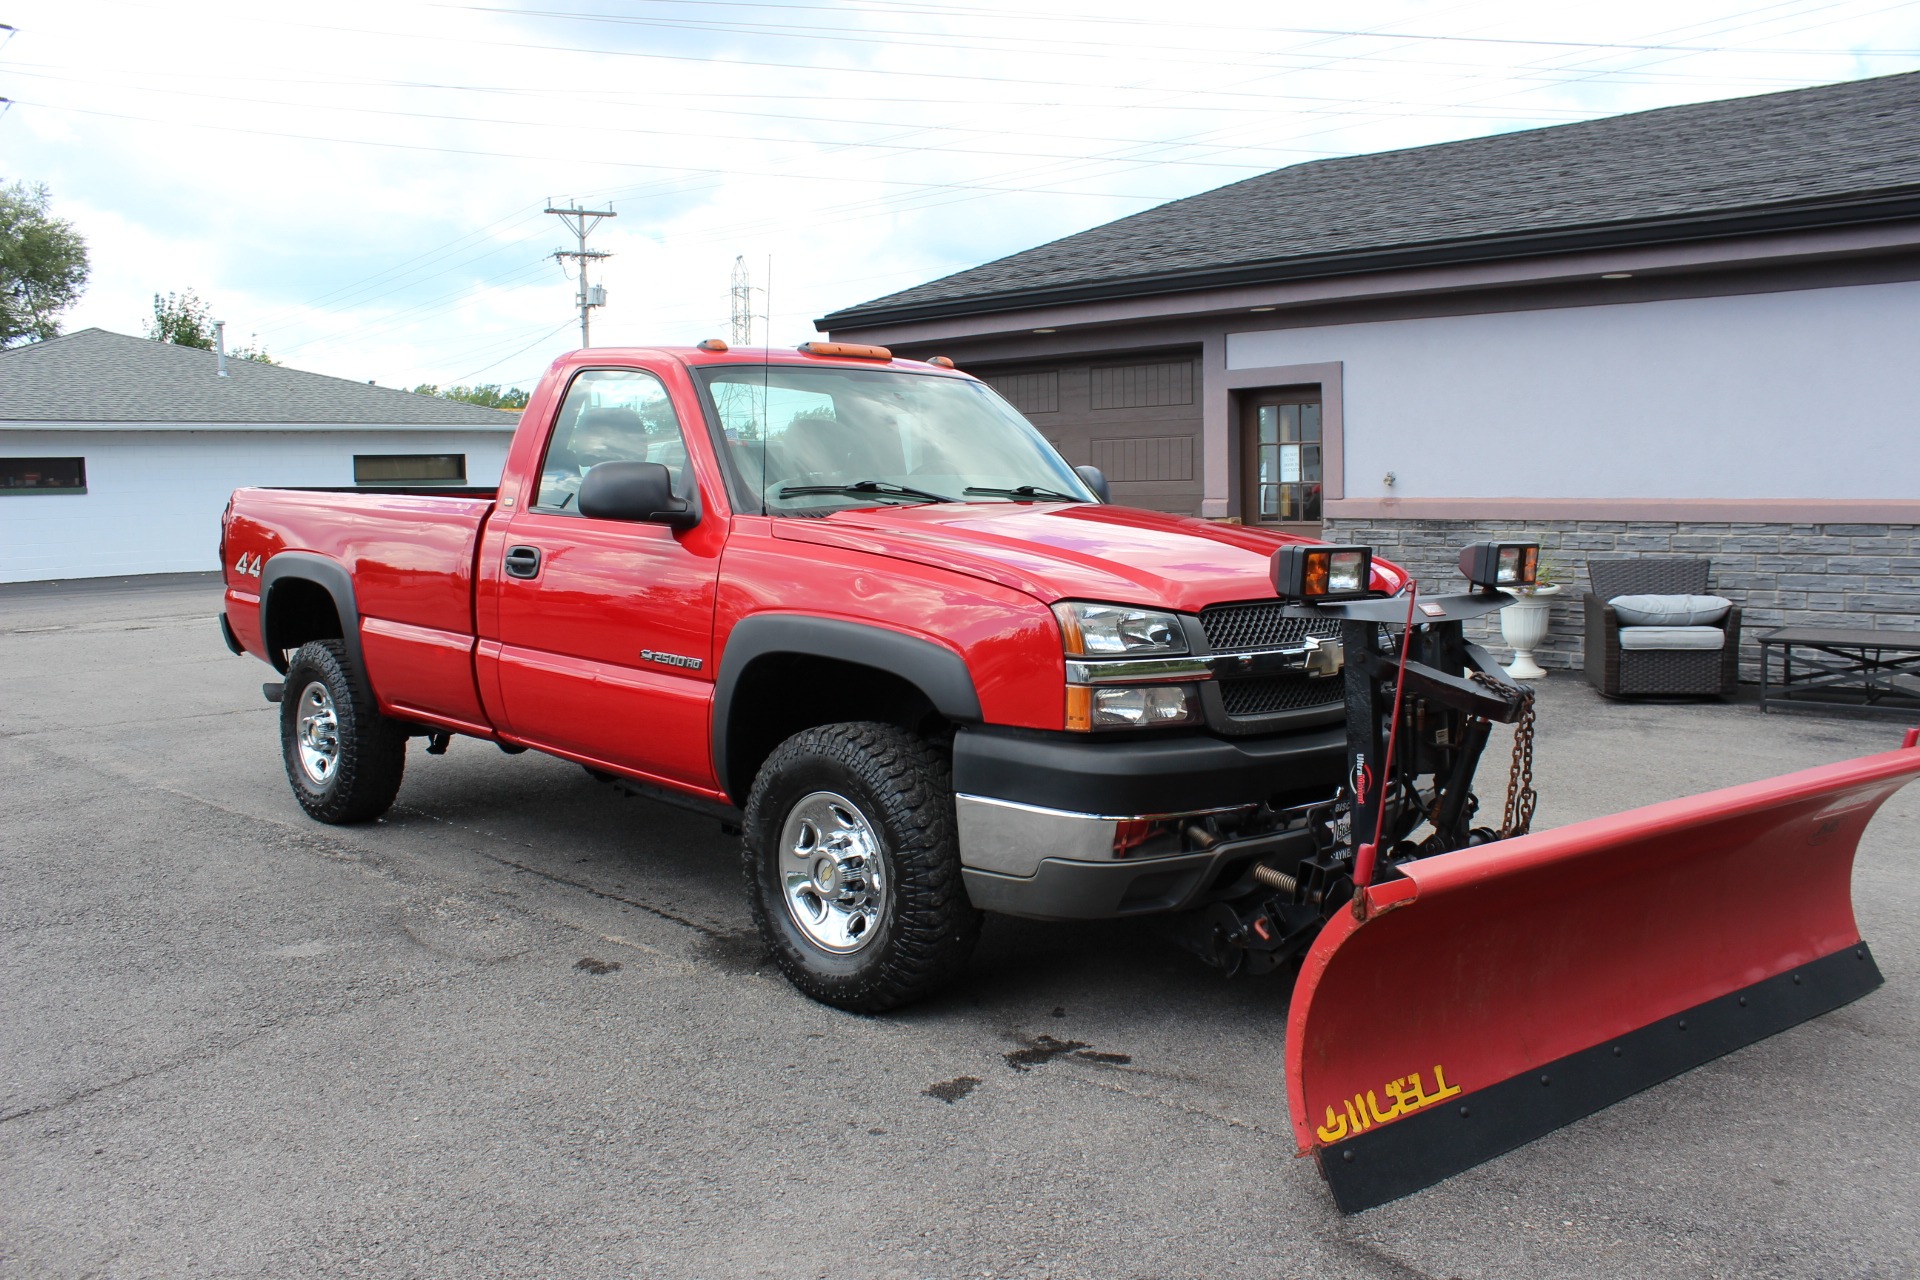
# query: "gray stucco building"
{"points": [[1692, 329]]}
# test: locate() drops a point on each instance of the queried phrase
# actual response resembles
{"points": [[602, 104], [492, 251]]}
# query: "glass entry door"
{"points": [[1281, 430]]}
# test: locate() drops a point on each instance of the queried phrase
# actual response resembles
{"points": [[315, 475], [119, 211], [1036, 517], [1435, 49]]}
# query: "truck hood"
{"points": [[1072, 551]]}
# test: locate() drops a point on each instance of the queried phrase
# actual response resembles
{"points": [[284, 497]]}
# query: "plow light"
{"points": [[1322, 573], [1500, 565]]}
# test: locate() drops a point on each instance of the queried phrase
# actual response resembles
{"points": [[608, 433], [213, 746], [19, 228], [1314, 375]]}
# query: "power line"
{"points": [[522, 351]]}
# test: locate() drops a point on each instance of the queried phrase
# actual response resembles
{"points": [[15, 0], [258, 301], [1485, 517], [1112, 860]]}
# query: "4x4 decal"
{"points": [[248, 566]]}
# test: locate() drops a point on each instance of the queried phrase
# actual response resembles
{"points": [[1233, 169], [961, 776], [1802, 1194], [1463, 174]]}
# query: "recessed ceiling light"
{"points": [[1263, 308], [1616, 275], [1046, 330]]}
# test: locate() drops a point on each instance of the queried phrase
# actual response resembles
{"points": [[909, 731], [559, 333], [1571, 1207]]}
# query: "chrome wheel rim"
{"points": [[833, 873], [316, 732]]}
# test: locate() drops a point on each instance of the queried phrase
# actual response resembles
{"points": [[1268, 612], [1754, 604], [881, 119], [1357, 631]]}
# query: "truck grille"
{"points": [[1258, 625], [1266, 695], [1262, 624]]}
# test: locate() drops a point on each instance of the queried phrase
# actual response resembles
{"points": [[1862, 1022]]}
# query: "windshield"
{"points": [[809, 441]]}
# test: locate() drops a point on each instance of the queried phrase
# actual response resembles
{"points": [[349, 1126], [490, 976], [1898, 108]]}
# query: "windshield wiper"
{"points": [[885, 488], [1022, 491]]}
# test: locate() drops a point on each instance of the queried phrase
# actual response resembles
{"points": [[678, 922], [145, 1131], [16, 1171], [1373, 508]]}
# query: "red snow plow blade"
{"points": [[1496, 993]]}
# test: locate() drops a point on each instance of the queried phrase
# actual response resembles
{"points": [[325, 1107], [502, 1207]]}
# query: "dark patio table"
{"points": [[1851, 669]]}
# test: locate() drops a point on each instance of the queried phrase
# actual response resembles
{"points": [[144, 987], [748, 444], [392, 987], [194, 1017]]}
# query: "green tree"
{"points": [[185, 320], [182, 319], [487, 395], [43, 265], [252, 350]]}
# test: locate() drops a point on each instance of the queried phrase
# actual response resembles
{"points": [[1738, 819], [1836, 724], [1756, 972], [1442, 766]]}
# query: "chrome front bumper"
{"points": [[1011, 839], [1051, 864]]}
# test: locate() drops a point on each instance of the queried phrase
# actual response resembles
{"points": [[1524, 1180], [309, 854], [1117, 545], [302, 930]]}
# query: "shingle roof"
{"points": [[96, 376], [1678, 172]]}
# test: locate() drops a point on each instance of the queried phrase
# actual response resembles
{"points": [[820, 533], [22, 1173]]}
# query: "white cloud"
{"points": [[361, 184]]}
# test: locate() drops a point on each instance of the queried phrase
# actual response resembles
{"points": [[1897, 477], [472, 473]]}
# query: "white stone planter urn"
{"points": [[1523, 625]]}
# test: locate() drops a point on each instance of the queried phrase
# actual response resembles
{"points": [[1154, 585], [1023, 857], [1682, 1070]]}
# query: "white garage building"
{"points": [[117, 454]]}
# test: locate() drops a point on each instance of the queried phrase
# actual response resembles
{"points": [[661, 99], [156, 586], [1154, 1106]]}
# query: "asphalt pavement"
{"points": [[522, 1028]]}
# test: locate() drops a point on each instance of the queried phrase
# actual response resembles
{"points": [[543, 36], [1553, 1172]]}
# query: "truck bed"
{"points": [[409, 555]]}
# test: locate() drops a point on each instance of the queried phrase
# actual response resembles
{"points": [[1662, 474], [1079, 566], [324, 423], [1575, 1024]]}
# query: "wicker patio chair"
{"points": [[1618, 672]]}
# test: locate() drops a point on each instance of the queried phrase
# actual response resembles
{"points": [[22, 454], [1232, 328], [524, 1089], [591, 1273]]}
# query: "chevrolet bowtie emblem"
{"points": [[1325, 656]]}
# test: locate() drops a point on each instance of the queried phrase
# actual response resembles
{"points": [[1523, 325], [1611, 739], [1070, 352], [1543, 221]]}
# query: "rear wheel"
{"points": [[343, 757], [853, 866]]}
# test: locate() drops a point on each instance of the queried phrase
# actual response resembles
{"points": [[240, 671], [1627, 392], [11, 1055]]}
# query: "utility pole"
{"points": [[581, 222], [742, 295]]}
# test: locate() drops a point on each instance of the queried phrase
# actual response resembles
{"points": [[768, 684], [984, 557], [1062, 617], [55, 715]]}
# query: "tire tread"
{"points": [[373, 747], [934, 924]]}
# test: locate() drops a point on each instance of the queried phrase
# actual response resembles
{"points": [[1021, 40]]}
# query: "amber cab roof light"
{"points": [[940, 362], [713, 344], [847, 350]]}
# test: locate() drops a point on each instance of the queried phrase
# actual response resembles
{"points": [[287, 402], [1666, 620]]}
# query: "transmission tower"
{"points": [[742, 295], [581, 222]]}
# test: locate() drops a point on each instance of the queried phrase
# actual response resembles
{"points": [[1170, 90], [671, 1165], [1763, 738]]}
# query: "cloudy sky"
{"points": [[361, 183]]}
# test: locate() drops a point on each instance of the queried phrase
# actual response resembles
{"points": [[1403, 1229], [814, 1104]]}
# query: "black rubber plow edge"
{"points": [[1407, 1155]]}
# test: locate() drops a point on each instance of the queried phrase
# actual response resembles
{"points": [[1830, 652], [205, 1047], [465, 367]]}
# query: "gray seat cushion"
{"points": [[1670, 611], [1672, 638]]}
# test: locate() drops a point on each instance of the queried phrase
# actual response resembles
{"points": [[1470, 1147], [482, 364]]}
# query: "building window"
{"points": [[410, 468], [1284, 472], [43, 475]]}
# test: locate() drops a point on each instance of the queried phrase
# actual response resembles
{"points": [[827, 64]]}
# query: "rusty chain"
{"points": [[1517, 819]]}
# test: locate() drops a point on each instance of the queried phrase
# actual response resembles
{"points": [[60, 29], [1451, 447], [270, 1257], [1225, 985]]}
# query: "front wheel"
{"points": [[343, 757], [853, 866]]}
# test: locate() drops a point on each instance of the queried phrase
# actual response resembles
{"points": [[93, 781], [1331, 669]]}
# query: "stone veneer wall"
{"points": [[1851, 575]]}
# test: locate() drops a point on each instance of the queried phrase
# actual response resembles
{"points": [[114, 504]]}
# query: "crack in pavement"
{"points": [[1378, 1259], [705, 930], [1172, 1104], [307, 834], [121, 724], [210, 1053]]}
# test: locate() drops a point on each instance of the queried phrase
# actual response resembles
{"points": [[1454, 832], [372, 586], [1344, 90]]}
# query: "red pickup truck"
{"points": [[858, 607]]}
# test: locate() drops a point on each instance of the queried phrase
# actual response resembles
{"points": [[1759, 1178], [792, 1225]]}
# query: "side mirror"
{"points": [[1096, 480], [639, 491]]}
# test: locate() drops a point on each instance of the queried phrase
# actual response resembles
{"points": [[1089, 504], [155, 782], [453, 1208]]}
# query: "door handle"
{"points": [[523, 562]]}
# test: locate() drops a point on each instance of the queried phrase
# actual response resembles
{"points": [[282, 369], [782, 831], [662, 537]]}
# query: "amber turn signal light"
{"points": [[850, 350], [1322, 573], [1491, 565]]}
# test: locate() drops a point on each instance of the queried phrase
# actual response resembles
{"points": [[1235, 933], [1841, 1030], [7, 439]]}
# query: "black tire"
{"points": [[902, 789], [358, 782]]}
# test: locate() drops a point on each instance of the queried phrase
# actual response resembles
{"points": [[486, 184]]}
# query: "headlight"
{"points": [[1111, 630], [1131, 706]]}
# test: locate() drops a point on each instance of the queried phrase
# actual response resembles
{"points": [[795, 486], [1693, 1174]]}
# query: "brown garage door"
{"points": [[1135, 418]]}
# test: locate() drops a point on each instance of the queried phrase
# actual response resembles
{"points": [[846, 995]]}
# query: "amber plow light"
{"points": [[1500, 565], [1322, 573], [846, 350]]}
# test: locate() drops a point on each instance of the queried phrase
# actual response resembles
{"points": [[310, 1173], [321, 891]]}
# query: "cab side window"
{"points": [[609, 415]]}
